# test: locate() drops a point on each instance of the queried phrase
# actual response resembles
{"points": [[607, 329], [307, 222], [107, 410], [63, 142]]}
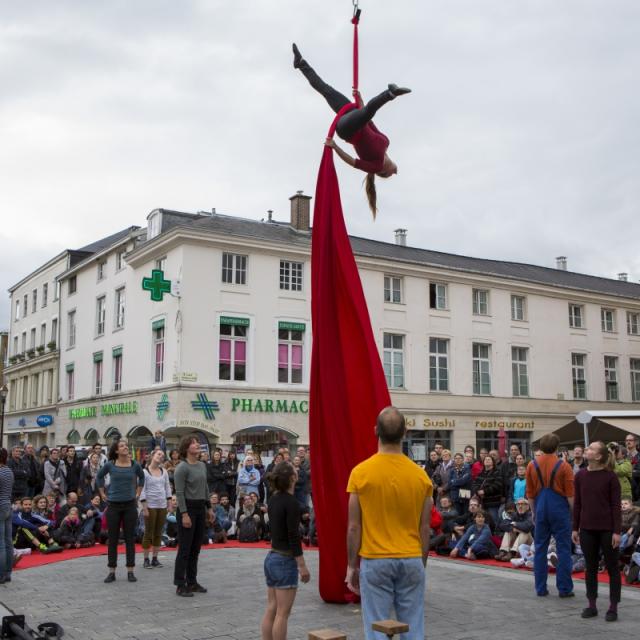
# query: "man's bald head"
{"points": [[390, 426]]}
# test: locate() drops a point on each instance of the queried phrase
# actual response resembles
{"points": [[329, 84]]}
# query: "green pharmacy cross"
{"points": [[157, 285]]}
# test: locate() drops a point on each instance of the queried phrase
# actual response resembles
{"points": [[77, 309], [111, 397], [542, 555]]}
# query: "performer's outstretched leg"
{"points": [[335, 99], [352, 122]]}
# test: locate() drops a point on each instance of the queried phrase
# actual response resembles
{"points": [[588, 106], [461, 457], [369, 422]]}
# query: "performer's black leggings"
{"points": [[350, 123], [592, 543]]}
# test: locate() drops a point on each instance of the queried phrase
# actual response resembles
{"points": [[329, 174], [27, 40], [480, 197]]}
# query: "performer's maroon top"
{"points": [[597, 501], [370, 145]]}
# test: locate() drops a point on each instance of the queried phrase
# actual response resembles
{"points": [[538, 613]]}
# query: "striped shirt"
{"points": [[6, 485]]}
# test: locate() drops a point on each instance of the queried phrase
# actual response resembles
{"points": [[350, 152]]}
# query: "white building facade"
{"points": [[469, 346]]}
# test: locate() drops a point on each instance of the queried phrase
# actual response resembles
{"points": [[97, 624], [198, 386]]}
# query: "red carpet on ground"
{"points": [[38, 559]]}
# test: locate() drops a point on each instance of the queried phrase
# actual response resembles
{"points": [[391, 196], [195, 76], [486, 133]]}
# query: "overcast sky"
{"points": [[520, 140]]}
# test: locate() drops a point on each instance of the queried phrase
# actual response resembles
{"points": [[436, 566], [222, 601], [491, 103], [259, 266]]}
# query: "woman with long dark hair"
{"points": [[285, 562], [126, 482], [489, 487], [597, 522], [74, 469], [194, 513], [231, 475], [356, 127], [6, 537]]}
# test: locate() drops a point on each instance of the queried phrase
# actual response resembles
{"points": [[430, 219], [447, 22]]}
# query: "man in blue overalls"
{"points": [[550, 494]]}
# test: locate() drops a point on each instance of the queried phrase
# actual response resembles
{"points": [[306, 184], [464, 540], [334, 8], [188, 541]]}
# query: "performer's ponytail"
{"points": [[370, 188]]}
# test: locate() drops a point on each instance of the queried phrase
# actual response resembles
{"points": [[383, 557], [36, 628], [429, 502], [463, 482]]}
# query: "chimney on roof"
{"points": [[561, 263], [401, 237], [623, 277], [269, 215], [300, 211]]}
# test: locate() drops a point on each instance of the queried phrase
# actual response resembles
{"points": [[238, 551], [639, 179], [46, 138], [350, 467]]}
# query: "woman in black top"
{"points": [[489, 487], [231, 476], [285, 560], [74, 469]]}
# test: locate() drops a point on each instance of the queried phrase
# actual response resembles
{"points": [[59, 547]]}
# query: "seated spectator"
{"points": [[476, 541], [170, 531], [630, 524], [517, 525], [449, 516], [632, 571], [261, 510], [464, 521], [230, 511], [69, 534], [72, 501], [518, 485], [92, 517], [40, 506], [31, 530], [249, 529], [489, 487]]}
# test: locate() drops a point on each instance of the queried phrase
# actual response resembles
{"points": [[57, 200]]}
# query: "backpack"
{"points": [[248, 531]]}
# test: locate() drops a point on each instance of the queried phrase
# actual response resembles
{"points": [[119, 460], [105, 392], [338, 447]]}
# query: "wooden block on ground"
{"points": [[327, 634], [390, 627]]}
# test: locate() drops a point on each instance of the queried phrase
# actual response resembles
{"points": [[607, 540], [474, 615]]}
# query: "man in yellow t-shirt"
{"points": [[388, 533]]}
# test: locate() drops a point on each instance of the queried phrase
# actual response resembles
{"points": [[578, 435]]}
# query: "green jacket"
{"points": [[624, 471]]}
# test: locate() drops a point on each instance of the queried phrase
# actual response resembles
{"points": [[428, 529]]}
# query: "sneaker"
{"points": [[111, 577], [517, 562], [197, 588], [131, 577], [570, 594], [183, 592], [611, 616], [589, 612], [156, 563], [529, 564], [54, 547], [146, 564], [43, 548]]}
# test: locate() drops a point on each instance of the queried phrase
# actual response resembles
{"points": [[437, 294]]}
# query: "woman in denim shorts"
{"points": [[285, 562]]}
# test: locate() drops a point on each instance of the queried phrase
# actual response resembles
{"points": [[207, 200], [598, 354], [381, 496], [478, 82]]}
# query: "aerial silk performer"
{"points": [[348, 387]]}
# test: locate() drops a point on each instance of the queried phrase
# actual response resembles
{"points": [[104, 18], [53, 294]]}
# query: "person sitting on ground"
{"points": [[476, 543], [31, 530], [170, 531], [40, 506], [449, 516], [261, 510], [517, 524], [72, 501], [230, 512], [217, 529], [630, 524], [489, 487], [249, 519], [464, 521], [632, 571], [69, 534], [518, 486]]}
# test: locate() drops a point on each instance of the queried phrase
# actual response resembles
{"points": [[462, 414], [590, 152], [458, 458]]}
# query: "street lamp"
{"points": [[3, 399]]}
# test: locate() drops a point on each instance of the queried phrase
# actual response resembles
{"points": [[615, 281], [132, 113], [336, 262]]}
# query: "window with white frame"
{"points": [[101, 312], [393, 359], [634, 367], [120, 259], [43, 334], [232, 348], [290, 275], [234, 268], [71, 329], [480, 306], [393, 289], [116, 367], [481, 369], [32, 341], [24, 341], [119, 310], [34, 301], [520, 371], [161, 263], [15, 345], [70, 381], [290, 351], [579, 375], [25, 391], [611, 378], [101, 270], [608, 320], [518, 307], [25, 302], [57, 291], [438, 364], [17, 316], [72, 285], [35, 389], [157, 329], [54, 330], [97, 373], [437, 295], [45, 294], [633, 323], [576, 316]]}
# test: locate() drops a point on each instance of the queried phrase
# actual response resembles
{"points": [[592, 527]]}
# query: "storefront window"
{"points": [[418, 444]]}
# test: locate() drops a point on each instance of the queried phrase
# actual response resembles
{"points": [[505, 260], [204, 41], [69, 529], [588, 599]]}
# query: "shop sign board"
{"points": [[508, 425], [109, 409], [269, 405]]}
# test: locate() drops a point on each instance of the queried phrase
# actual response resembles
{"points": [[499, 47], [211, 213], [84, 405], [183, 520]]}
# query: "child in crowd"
{"points": [[476, 542], [630, 524], [518, 487], [70, 534]]}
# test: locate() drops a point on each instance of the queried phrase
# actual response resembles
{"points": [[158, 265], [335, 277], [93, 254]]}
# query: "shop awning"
{"points": [[262, 428], [610, 426]]}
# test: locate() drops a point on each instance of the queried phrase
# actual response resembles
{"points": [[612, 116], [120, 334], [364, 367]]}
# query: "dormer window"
{"points": [[154, 225]]}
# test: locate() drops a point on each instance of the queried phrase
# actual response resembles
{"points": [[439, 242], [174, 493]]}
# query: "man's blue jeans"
{"points": [[389, 584]]}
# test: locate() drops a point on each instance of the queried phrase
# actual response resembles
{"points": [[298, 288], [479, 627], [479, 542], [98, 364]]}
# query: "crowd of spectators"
{"points": [[483, 511], [56, 502]]}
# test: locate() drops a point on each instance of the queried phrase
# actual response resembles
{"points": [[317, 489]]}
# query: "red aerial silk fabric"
{"points": [[348, 387]]}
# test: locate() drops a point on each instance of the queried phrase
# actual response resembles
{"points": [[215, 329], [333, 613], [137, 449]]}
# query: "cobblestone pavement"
{"points": [[464, 601]]}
